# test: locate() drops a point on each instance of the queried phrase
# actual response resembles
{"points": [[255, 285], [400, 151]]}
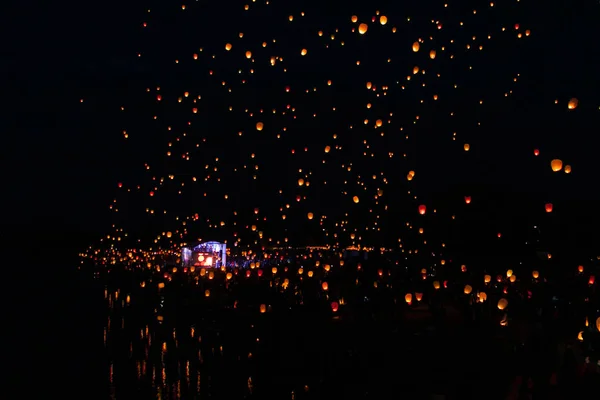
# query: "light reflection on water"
{"points": [[176, 342]]}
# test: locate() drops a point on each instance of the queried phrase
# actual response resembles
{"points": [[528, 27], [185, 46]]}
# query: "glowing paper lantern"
{"points": [[416, 46], [573, 103], [362, 28], [408, 298], [468, 289], [259, 126], [383, 20], [535, 274], [548, 207], [432, 54], [325, 286], [355, 199], [422, 209], [502, 304], [556, 165]]}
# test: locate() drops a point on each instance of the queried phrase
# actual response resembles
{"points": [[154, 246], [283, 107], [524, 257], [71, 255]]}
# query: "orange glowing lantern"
{"points": [[535, 274], [468, 289], [556, 165], [325, 286], [548, 207], [419, 296], [263, 308], [408, 298], [487, 278], [436, 285], [422, 209], [592, 280], [335, 306], [468, 199], [502, 304]]}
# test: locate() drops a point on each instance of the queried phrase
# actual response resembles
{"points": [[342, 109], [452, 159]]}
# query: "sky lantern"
{"points": [[310, 215], [410, 175], [556, 165], [436, 285], [362, 28], [303, 52], [355, 199], [487, 278], [468, 289], [468, 199], [169, 234], [548, 207], [598, 324], [207, 293], [502, 304], [259, 126], [369, 85], [419, 296], [228, 46], [248, 54], [536, 152], [408, 298], [573, 103], [327, 149], [422, 209], [467, 147], [379, 123], [325, 286], [335, 306], [383, 20], [300, 182], [567, 169], [432, 54], [591, 280], [580, 269], [263, 308], [535, 274], [354, 19], [416, 46]]}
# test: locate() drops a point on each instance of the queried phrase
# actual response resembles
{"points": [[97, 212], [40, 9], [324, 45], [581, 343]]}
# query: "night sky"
{"points": [[65, 158]]}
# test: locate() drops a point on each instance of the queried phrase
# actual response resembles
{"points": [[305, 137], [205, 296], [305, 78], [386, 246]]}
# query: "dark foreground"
{"points": [[181, 344]]}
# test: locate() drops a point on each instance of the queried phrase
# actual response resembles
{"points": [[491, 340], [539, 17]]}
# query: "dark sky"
{"points": [[64, 159]]}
